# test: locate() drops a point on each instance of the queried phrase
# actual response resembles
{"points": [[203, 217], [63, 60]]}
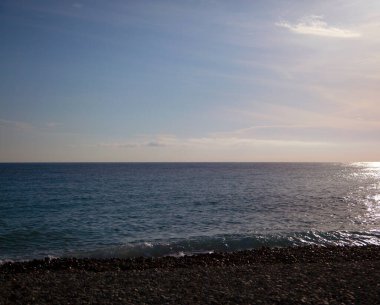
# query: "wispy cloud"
{"points": [[160, 142], [233, 139], [315, 25], [27, 127], [21, 126]]}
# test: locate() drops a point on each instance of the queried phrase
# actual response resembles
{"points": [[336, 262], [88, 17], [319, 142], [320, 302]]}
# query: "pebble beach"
{"points": [[301, 275]]}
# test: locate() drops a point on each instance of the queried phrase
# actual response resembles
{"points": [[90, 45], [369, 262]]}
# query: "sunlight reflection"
{"points": [[364, 201], [371, 165], [373, 207], [369, 168]]}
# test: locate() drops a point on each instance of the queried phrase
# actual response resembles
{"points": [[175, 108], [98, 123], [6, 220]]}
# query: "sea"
{"points": [[123, 210]]}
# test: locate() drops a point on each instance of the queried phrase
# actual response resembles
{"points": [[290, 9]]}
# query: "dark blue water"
{"points": [[132, 209]]}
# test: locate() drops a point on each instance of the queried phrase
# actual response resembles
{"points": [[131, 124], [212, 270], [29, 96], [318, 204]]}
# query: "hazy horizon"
{"points": [[189, 81]]}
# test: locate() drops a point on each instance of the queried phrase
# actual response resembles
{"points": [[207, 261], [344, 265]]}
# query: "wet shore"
{"points": [[304, 275]]}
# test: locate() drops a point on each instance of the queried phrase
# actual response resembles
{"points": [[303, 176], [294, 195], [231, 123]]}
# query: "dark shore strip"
{"points": [[311, 254], [301, 275]]}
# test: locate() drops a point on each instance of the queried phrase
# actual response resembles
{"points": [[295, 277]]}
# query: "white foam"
{"points": [[4, 261]]}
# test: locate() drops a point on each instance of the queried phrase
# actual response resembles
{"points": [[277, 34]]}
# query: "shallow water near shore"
{"points": [[155, 209]]}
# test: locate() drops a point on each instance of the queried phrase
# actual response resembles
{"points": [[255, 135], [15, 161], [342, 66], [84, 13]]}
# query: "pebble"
{"points": [[305, 275]]}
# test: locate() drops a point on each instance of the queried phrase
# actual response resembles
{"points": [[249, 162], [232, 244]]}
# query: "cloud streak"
{"points": [[133, 144], [17, 125], [315, 25]]}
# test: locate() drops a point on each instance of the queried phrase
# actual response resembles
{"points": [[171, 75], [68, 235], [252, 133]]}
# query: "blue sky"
{"points": [[189, 80]]}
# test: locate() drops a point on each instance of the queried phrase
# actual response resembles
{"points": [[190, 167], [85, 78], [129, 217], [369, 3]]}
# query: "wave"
{"points": [[229, 243]]}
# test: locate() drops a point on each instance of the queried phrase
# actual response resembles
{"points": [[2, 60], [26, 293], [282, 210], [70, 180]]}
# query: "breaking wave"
{"points": [[232, 243]]}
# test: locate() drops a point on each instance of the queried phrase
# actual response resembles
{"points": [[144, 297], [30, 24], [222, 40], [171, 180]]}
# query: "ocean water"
{"points": [[154, 209]]}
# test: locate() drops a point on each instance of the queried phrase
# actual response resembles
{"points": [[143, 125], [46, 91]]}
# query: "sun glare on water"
{"points": [[372, 168], [367, 197], [374, 165]]}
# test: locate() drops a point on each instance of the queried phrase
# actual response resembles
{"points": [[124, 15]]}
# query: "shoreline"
{"points": [[263, 255], [308, 275]]}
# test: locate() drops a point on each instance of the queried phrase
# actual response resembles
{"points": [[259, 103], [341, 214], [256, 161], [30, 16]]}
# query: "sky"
{"points": [[191, 80]]}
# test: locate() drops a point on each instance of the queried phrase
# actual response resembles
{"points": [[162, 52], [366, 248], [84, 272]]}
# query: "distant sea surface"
{"points": [[154, 209]]}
